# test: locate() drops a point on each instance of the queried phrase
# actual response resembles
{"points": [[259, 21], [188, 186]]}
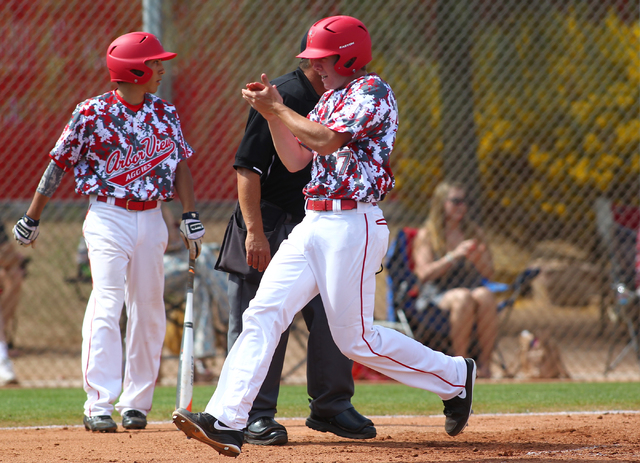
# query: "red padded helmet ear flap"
{"points": [[344, 36], [127, 54]]}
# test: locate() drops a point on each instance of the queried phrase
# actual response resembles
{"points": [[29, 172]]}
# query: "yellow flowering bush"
{"points": [[556, 113]]}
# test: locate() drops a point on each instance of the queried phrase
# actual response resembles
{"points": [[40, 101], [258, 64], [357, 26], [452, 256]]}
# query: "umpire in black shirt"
{"points": [[266, 190]]}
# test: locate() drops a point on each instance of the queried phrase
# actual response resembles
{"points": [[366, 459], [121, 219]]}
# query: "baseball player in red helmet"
{"points": [[337, 248], [127, 153]]}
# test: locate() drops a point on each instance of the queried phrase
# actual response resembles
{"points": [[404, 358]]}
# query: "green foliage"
{"points": [[46, 407]]}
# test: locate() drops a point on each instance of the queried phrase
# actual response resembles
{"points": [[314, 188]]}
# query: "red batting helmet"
{"points": [[126, 56], [340, 35]]}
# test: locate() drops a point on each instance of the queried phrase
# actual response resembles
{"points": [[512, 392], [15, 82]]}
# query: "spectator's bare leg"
{"points": [[461, 307], [487, 328]]}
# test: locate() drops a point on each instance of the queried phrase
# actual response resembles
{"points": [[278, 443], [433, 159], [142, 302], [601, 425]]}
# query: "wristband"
{"points": [[190, 215], [448, 257], [31, 222]]}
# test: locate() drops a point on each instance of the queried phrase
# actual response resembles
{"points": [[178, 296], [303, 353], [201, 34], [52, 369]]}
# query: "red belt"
{"points": [[129, 204], [327, 204]]}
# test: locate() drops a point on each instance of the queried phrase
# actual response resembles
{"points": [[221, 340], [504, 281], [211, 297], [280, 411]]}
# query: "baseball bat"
{"points": [[184, 393]]}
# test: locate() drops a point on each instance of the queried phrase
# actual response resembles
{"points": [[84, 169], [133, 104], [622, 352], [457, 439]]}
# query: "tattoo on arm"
{"points": [[50, 180]]}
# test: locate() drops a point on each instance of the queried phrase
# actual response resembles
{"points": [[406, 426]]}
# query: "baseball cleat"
{"points": [[208, 430], [134, 419], [458, 410], [349, 424], [100, 423]]}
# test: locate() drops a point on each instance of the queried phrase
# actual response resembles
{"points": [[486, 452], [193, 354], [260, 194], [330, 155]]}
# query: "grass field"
{"points": [[45, 407]]}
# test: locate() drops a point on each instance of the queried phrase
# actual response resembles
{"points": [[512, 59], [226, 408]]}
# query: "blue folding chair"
{"points": [[431, 326]]}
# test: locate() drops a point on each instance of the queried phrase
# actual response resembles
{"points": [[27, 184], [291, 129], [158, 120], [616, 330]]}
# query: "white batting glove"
{"points": [[192, 232], [26, 231]]}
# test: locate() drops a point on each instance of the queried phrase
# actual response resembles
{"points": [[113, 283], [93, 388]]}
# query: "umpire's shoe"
{"points": [[265, 431], [207, 429], [134, 419], [349, 424], [458, 410], [101, 423]]}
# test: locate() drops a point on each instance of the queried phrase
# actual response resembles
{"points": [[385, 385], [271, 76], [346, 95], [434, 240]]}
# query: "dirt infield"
{"points": [[489, 438]]}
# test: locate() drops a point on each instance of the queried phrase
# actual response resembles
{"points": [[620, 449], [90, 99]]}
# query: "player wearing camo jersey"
{"points": [[127, 153], [338, 247]]}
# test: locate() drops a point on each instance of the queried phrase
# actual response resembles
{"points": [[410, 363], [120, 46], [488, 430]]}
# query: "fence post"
{"points": [[152, 21]]}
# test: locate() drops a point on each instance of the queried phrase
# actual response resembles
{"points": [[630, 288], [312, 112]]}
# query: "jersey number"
{"points": [[342, 161]]}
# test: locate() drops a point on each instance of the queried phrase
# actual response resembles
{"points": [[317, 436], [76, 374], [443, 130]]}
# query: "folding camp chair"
{"points": [[402, 293], [618, 229]]}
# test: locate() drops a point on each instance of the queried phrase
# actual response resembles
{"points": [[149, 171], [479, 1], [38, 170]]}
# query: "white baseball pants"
{"points": [[337, 255], [126, 255]]}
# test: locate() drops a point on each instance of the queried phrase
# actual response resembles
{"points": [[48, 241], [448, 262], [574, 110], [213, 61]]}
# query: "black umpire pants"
{"points": [[329, 377]]}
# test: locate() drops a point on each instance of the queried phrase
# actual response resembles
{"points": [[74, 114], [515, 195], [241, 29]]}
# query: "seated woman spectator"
{"points": [[451, 259]]}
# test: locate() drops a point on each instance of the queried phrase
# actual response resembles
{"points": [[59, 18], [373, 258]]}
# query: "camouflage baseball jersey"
{"points": [[116, 151], [367, 109]]}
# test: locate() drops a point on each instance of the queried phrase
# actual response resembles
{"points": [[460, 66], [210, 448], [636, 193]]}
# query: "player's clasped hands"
{"points": [[465, 249], [262, 96]]}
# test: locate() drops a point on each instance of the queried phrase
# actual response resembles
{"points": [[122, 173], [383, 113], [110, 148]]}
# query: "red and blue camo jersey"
{"points": [[360, 170], [115, 151]]}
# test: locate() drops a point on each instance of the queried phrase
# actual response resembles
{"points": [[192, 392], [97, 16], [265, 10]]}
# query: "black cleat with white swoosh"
{"points": [[458, 410], [208, 430]]}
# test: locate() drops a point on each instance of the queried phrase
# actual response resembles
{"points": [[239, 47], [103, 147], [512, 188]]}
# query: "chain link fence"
{"points": [[534, 106]]}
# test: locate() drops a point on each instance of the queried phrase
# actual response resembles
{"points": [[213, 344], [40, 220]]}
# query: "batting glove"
{"points": [[26, 230], [192, 231]]}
